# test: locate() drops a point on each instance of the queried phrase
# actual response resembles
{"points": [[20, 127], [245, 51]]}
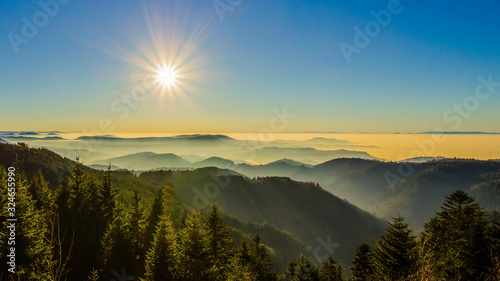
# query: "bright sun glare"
{"points": [[166, 76], [170, 64]]}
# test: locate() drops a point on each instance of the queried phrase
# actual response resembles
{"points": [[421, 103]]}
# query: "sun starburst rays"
{"points": [[171, 60]]}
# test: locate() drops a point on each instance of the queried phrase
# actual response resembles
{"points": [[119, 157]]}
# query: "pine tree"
{"points": [[455, 240], [362, 269], [261, 262], [63, 195], [83, 222], [107, 194], [300, 270], [194, 260], [241, 264], [63, 218], [290, 273], [396, 253], [94, 275], [243, 253], [161, 259], [78, 190], [135, 231], [240, 273], [42, 195], [330, 271], [116, 247], [163, 204], [494, 237], [220, 244], [32, 249]]}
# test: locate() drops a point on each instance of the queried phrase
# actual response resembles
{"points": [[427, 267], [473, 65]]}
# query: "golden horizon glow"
{"points": [[391, 147]]}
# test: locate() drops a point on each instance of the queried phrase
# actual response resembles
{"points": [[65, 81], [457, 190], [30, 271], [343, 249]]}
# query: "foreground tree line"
{"points": [[82, 232], [458, 243]]}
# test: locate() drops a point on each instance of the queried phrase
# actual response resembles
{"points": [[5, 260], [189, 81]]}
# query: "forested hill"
{"points": [[304, 209], [416, 190], [56, 169], [29, 160], [294, 217]]}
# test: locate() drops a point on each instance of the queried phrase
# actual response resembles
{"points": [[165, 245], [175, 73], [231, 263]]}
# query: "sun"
{"points": [[170, 65], [167, 76]]}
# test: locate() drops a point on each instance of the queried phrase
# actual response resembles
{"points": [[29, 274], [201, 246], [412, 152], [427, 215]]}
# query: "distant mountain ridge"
{"points": [[287, 161], [94, 148], [458, 133], [151, 160], [146, 161], [193, 137], [422, 159], [24, 138], [214, 162]]}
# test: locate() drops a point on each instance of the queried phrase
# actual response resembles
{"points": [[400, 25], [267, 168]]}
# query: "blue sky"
{"points": [[264, 55]]}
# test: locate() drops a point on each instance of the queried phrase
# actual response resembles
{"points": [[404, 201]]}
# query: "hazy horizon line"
{"points": [[27, 132]]}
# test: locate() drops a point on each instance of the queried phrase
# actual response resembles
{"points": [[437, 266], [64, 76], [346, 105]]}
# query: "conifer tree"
{"points": [[243, 253], [163, 203], [494, 237], [330, 270], [240, 273], [300, 270], [33, 253], [63, 218], [116, 247], [162, 257], [396, 253], [107, 196], [455, 240], [82, 221], [261, 262], [220, 243], [42, 195], [362, 269], [135, 231], [78, 190], [290, 272], [63, 195], [194, 260], [241, 264]]}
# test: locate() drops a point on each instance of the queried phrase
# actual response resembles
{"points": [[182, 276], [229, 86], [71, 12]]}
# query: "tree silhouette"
{"points": [[363, 267], [396, 253], [162, 258], [456, 239]]}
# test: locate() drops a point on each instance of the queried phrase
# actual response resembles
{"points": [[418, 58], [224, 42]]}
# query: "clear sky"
{"points": [[67, 66]]}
